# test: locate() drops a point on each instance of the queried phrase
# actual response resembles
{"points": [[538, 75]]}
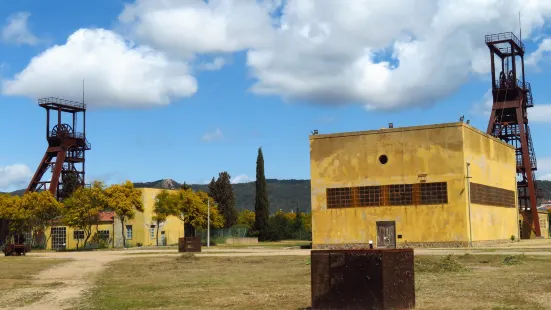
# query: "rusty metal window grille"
{"points": [[492, 196], [368, 196], [339, 197], [400, 194], [434, 193], [388, 195]]}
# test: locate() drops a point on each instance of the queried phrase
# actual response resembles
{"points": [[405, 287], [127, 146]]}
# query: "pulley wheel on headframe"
{"points": [[62, 130]]}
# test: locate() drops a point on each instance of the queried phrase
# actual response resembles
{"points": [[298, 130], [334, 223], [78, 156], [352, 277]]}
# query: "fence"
{"points": [[220, 235]]}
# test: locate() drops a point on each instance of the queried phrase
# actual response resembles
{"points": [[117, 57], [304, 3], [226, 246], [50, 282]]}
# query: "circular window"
{"points": [[383, 159]]}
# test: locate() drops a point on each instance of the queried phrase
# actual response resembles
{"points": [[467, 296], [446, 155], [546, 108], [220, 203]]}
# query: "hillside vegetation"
{"points": [[284, 195]]}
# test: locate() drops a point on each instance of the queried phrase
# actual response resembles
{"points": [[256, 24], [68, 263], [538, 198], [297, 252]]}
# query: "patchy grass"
{"points": [[283, 282], [17, 272], [20, 269], [438, 264], [204, 283], [267, 244]]}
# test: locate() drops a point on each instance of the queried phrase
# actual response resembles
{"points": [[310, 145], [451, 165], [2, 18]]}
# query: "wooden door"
{"points": [[386, 234]]}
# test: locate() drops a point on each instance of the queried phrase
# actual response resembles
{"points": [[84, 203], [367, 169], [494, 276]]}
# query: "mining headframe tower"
{"points": [[66, 150], [512, 96]]}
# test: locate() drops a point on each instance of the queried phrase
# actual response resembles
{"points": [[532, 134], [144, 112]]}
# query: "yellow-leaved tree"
{"points": [[191, 208], [246, 217], [216, 218], [37, 211], [9, 210], [162, 208], [82, 209], [125, 200]]}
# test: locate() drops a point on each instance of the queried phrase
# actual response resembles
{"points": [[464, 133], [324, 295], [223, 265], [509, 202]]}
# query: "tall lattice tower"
{"points": [[66, 147], [512, 96]]}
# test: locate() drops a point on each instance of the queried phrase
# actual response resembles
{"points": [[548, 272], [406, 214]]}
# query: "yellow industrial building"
{"points": [[141, 230], [408, 187]]}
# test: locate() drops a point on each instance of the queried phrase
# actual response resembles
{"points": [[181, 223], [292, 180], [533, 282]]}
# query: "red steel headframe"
{"points": [[65, 144], [509, 118]]}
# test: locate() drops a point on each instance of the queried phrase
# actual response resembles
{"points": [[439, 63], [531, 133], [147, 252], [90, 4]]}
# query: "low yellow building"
{"points": [[139, 231], [408, 187]]}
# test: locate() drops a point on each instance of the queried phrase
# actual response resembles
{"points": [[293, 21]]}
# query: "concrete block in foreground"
{"points": [[363, 279]]}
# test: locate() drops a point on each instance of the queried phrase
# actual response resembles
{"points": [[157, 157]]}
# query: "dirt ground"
{"points": [[75, 277]]}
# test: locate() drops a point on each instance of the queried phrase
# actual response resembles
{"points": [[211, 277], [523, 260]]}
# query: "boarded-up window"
{"points": [[388, 195], [492, 196]]}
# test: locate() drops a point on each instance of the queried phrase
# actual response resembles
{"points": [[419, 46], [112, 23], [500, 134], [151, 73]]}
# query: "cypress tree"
{"points": [[261, 206], [221, 191]]}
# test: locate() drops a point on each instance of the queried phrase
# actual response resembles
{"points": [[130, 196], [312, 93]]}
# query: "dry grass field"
{"points": [[18, 274], [283, 282]]}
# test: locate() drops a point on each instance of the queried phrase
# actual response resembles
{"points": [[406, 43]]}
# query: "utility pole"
{"points": [[208, 223], [469, 203]]}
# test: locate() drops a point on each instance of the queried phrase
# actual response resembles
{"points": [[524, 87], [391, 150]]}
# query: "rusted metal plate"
{"points": [[189, 244], [363, 279]]}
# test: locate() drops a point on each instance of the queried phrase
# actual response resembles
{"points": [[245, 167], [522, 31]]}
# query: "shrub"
{"points": [[514, 259]]}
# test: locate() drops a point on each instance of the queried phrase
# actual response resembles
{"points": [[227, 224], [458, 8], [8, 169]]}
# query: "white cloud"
{"points": [[14, 177], [544, 49], [382, 54], [544, 168], [212, 136], [242, 178], [484, 106], [116, 73], [337, 51], [17, 29], [186, 27], [540, 113], [216, 64]]}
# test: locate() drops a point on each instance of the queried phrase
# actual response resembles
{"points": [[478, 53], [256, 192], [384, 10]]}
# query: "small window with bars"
{"points": [[103, 234], [152, 232], [78, 235]]}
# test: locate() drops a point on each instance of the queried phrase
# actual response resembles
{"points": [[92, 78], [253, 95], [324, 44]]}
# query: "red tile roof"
{"points": [[106, 216]]}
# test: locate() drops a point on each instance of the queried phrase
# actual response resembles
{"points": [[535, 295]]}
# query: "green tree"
{"points": [[261, 205], [125, 200], [163, 208], [221, 191], [70, 184], [83, 207]]}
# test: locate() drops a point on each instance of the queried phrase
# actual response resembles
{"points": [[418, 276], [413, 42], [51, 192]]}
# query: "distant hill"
{"points": [[283, 194]]}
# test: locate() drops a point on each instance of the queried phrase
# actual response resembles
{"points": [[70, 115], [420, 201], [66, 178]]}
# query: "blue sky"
{"points": [[246, 85]]}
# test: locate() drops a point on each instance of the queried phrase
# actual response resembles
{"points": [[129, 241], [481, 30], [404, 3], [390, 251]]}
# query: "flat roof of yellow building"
{"points": [[407, 128]]}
